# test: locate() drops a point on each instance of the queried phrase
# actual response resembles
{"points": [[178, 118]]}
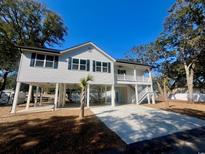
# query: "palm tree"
{"points": [[83, 85]]}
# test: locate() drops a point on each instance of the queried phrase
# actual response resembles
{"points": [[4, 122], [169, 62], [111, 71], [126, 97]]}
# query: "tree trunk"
{"points": [[82, 101], [160, 89], [4, 82], [165, 94], [189, 77]]}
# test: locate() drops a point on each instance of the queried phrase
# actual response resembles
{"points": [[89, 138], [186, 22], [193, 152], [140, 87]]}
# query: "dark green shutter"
{"points": [[56, 62], [109, 67], [69, 63], [93, 65], [88, 65], [33, 56]]}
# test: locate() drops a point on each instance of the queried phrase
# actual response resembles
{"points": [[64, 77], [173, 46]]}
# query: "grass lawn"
{"points": [[191, 109], [55, 132]]}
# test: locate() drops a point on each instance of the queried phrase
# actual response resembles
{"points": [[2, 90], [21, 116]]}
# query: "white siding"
{"points": [[62, 74]]}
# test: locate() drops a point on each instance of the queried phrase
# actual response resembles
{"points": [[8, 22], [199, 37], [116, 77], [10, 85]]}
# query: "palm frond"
{"points": [[89, 78], [84, 82]]}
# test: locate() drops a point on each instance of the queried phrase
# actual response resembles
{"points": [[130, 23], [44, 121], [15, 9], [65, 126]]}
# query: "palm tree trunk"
{"points": [[82, 101], [165, 94]]}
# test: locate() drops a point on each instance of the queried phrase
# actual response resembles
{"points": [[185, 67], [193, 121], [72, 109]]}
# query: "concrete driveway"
{"points": [[134, 123]]}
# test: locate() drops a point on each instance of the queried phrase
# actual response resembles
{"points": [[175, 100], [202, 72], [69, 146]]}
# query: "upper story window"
{"points": [[121, 71], [105, 67], [40, 60], [101, 66], [83, 64], [75, 64], [49, 61], [78, 64], [98, 66]]}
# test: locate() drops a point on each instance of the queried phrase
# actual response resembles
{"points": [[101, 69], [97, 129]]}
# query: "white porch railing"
{"points": [[132, 78]]}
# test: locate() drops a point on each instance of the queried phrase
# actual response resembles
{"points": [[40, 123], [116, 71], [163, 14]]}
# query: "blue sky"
{"points": [[114, 25]]}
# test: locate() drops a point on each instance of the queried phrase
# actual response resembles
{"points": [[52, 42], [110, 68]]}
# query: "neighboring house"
{"points": [[123, 81]]}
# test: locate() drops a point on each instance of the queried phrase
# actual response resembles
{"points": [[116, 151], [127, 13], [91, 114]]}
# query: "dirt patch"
{"points": [[191, 109], [62, 132], [55, 132]]}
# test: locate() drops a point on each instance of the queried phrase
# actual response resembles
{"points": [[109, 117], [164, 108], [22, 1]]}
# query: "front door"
{"points": [[121, 95]]}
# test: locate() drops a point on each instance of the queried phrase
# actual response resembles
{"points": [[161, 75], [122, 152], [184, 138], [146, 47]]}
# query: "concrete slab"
{"points": [[134, 123]]}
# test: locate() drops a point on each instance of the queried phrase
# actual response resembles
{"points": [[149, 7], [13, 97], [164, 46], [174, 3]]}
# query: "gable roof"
{"points": [[86, 44], [67, 50]]}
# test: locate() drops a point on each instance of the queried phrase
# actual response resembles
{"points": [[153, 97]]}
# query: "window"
{"points": [[75, 65], [121, 71], [101, 66], [40, 60], [48, 61], [78, 64], [82, 64], [98, 66], [105, 67]]}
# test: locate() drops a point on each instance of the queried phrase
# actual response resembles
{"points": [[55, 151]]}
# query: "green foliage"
{"points": [[28, 23], [84, 82], [181, 43], [184, 28]]}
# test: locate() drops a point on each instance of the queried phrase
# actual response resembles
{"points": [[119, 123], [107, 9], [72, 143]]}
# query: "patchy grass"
{"points": [[191, 109], [55, 132]]}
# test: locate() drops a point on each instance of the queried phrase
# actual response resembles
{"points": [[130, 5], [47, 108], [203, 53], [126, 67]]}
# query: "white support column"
{"points": [[41, 96], [15, 101], [151, 88], [136, 94], [64, 94], [29, 97], [36, 98], [113, 95], [88, 95], [153, 98], [60, 95], [135, 75], [148, 96], [56, 96], [105, 94]]}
